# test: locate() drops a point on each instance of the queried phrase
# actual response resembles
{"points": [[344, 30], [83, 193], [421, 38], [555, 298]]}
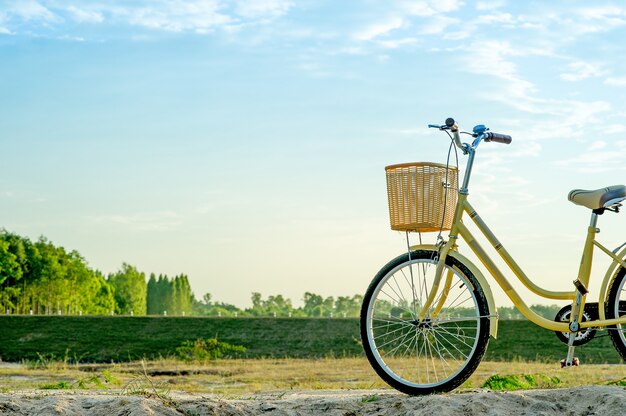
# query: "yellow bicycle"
{"points": [[427, 315]]}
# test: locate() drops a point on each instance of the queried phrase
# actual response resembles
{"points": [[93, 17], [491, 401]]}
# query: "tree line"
{"points": [[314, 306], [41, 278], [37, 277]]}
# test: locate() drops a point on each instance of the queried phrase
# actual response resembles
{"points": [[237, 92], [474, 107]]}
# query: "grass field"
{"points": [[120, 339], [244, 376]]}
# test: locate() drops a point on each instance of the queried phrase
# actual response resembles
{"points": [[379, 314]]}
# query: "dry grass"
{"points": [[239, 377]]}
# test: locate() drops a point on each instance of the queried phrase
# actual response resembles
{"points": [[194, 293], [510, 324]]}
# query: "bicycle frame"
{"points": [[460, 229]]}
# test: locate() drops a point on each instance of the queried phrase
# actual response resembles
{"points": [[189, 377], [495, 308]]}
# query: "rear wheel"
{"points": [[616, 308], [439, 353]]}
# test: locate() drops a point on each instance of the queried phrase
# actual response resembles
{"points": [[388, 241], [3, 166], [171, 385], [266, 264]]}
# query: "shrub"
{"points": [[517, 382], [207, 349]]}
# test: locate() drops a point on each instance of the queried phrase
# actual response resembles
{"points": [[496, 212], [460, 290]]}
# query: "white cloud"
{"points": [[71, 38], [461, 34], [426, 17], [489, 5], [499, 18], [490, 58], [177, 16], [396, 43], [524, 148], [616, 81], [603, 157], [614, 129], [597, 145], [201, 16], [579, 70], [262, 8], [599, 19], [595, 161], [493, 58], [430, 7], [85, 16], [30, 10], [608, 13], [380, 29], [437, 24]]}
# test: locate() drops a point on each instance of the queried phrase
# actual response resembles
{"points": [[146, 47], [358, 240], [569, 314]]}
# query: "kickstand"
{"points": [[570, 360]]}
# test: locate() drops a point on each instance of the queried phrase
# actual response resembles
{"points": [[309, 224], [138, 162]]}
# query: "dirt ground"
{"points": [[590, 400]]}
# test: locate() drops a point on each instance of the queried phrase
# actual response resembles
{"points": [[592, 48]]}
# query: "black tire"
{"points": [[616, 308], [434, 356]]}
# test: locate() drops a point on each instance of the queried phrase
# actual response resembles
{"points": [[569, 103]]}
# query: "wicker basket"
{"points": [[417, 196]]}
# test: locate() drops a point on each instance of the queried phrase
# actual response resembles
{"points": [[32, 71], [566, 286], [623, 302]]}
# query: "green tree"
{"points": [[348, 306], [313, 304], [152, 296], [278, 305], [162, 294], [130, 290], [207, 299], [171, 299], [50, 268], [258, 308], [102, 297], [10, 268], [186, 296], [328, 306]]}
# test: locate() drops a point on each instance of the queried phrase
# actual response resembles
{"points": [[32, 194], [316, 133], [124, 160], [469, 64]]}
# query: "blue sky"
{"points": [[243, 142]]}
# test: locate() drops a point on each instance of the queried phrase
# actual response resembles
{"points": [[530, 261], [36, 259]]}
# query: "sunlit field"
{"points": [[237, 377], [120, 339]]}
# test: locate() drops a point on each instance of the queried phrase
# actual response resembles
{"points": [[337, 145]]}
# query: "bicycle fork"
{"points": [[434, 290]]}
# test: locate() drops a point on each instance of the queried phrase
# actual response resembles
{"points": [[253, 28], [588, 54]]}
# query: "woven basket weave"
{"points": [[417, 196]]}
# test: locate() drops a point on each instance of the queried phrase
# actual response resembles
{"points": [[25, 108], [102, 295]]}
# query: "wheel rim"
{"points": [[431, 353], [620, 309]]}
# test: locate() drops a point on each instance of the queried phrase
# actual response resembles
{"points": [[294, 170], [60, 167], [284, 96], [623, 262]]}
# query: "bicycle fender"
{"points": [[493, 312], [608, 278]]}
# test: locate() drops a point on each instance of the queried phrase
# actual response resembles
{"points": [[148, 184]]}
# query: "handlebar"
{"points": [[498, 138], [479, 133]]}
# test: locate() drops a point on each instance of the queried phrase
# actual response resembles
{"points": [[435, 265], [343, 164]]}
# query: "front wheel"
{"points": [[616, 308], [438, 353]]}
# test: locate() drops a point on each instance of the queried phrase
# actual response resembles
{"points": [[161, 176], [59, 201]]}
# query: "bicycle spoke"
{"points": [[432, 358], [458, 337], [426, 357], [446, 349], [386, 334], [432, 352], [460, 319], [411, 284], [398, 303], [465, 356], [389, 323], [402, 294], [400, 345], [443, 360]]}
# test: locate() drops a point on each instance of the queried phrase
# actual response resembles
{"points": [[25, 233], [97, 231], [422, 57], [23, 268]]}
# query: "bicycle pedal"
{"points": [[575, 363]]}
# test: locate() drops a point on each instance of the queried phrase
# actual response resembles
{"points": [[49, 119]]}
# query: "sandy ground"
{"points": [[591, 400]]}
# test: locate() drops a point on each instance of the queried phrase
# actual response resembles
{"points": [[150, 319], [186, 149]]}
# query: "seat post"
{"points": [[585, 264]]}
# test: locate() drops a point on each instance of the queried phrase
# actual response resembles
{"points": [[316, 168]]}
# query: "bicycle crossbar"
{"points": [[460, 229]]}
